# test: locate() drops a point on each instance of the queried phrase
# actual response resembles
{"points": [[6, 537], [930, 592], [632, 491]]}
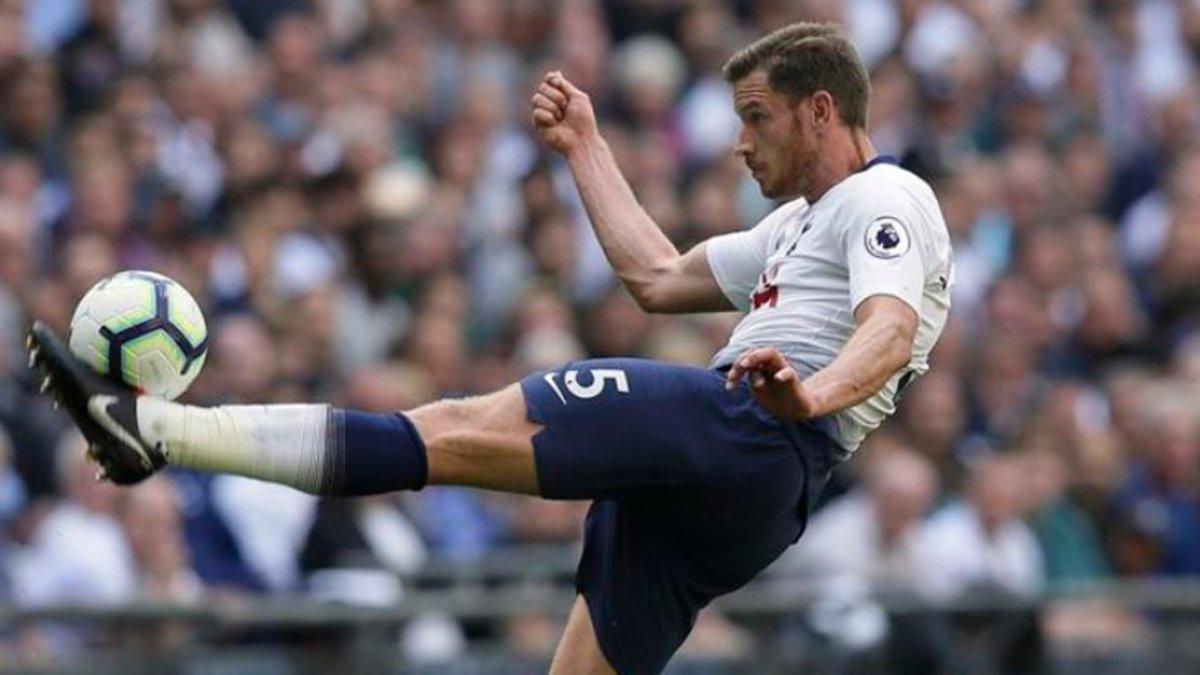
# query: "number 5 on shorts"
{"points": [[600, 378]]}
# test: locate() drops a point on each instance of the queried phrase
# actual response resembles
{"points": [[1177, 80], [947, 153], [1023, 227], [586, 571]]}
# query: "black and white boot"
{"points": [[106, 412]]}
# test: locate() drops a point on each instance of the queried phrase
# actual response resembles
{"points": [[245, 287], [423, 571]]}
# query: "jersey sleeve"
{"points": [[884, 241], [738, 258]]}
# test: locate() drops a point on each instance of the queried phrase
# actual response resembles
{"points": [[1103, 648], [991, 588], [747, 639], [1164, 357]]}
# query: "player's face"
{"points": [[775, 142]]}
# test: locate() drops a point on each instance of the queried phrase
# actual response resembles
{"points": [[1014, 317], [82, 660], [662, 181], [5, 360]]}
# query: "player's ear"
{"points": [[823, 109]]}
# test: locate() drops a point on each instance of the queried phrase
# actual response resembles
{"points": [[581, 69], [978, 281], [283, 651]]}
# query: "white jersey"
{"points": [[803, 270]]}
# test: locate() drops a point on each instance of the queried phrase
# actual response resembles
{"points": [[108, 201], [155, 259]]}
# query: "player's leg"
{"points": [[481, 441], [578, 652], [607, 437]]}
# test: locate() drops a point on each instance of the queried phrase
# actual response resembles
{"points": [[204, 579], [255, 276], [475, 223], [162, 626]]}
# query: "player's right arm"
{"points": [[648, 264]]}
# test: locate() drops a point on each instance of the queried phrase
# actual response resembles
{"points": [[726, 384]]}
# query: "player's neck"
{"points": [[848, 153]]}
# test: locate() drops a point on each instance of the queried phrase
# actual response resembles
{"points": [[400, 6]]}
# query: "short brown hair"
{"points": [[804, 58]]}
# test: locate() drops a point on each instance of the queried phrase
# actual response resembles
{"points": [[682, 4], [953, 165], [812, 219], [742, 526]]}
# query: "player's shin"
{"points": [[315, 448]]}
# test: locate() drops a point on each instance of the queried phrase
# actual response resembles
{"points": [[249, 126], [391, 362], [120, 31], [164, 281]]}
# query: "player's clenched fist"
{"points": [[562, 113], [774, 382]]}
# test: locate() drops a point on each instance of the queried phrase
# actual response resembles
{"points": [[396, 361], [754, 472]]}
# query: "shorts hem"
{"points": [[602, 639], [536, 414]]}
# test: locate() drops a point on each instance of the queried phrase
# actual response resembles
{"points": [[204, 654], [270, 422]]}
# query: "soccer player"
{"points": [[701, 477]]}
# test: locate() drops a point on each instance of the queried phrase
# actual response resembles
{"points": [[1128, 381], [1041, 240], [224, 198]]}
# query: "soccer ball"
{"points": [[141, 329]]}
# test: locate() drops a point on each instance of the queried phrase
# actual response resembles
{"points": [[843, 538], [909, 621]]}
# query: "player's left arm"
{"points": [[878, 349]]}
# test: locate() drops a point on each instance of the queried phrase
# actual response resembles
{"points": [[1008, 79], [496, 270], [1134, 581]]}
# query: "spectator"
{"points": [[150, 517], [49, 568], [980, 544], [1157, 500], [12, 501], [1072, 550], [871, 534]]}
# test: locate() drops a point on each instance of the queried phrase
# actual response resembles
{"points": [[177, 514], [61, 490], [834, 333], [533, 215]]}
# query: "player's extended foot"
{"points": [[105, 412]]}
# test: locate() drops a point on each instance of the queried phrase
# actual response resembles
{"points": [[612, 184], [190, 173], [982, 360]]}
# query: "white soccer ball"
{"points": [[141, 329]]}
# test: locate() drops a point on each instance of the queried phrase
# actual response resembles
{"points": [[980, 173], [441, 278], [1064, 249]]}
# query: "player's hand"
{"points": [[774, 383], [562, 114]]}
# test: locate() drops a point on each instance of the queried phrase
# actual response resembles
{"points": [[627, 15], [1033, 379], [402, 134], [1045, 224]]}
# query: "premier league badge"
{"points": [[887, 238]]}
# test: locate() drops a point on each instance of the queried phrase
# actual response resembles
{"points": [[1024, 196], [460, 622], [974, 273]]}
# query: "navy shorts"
{"points": [[696, 490]]}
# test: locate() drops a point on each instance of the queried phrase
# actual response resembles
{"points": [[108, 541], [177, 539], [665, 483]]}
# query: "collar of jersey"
{"points": [[875, 161], [879, 159]]}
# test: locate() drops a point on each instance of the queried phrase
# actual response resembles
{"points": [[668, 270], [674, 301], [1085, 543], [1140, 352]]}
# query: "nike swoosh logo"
{"points": [[549, 378], [98, 408]]}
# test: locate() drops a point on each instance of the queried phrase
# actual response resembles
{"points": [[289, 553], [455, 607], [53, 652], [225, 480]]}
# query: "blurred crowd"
{"points": [[352, 191]]}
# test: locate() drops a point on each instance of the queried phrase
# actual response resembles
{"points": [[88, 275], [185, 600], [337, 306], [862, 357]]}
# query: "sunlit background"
{"points": [[352, 191]]}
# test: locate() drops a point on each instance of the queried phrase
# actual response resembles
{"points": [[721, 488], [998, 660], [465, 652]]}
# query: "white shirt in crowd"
{"points": [[844, 540], [76, 555], [959, 555]]}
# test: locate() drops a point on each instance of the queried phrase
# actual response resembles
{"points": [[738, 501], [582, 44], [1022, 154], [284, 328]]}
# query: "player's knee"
{"points": [[472, 441], [455, 434], [441, 422], [449, 419]]}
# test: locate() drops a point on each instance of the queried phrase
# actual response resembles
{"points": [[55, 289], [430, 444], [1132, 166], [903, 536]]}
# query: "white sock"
{"points": [[278, 443]]}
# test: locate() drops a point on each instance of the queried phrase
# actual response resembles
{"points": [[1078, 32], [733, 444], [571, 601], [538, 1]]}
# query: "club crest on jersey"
{"points": [[766, 293], [887, 238]]}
